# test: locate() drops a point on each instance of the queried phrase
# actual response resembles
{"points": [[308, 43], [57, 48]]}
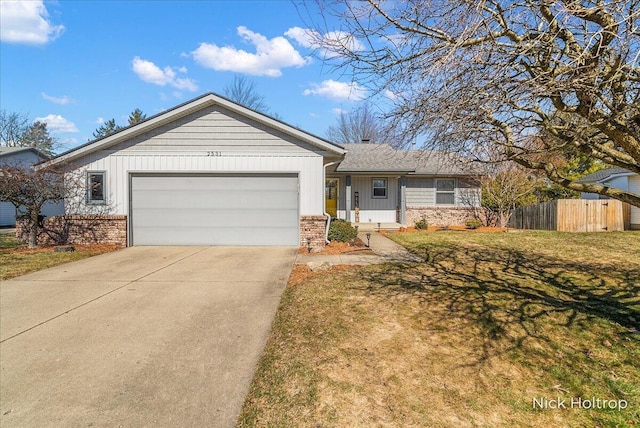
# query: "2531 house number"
{"points": [[214, 154]]}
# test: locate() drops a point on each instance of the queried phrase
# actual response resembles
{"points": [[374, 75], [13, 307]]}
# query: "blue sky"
{"points": [[76, 63]]}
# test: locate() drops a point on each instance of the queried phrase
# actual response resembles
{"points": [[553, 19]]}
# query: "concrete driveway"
{"points": [[145, 336]]}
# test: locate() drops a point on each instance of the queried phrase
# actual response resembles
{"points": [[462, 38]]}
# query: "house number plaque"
{"points": [[216, 154]]}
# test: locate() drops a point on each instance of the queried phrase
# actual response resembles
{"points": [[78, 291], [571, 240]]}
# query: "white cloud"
{"points": [[58, 100], [151, 73], [58, 124], [303, 36], [270, 57], [390, 94], [100, 120], [339, 111], [27, 22], [330, 43], [337, 90]]}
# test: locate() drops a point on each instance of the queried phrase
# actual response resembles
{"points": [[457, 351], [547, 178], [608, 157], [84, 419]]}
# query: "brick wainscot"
{"points": [[79, 230], [454, 216]]}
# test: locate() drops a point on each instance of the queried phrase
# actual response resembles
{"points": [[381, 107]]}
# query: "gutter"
{"points": [[324, 201]]}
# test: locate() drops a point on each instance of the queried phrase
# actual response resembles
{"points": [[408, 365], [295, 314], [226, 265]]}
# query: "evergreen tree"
{"points": [[107, 128], [37, 136], [136, 117]]}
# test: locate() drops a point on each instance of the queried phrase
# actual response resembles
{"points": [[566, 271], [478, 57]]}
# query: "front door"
{"points": [[331, 196]]}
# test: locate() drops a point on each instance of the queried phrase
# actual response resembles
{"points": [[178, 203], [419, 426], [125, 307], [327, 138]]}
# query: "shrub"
{"points": [[342, 231], [422, 224], [473, 223]]}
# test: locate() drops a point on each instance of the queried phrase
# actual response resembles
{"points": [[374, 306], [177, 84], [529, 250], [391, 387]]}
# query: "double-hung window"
{"points": [[445, 191], [96, 188], [379, 188]]}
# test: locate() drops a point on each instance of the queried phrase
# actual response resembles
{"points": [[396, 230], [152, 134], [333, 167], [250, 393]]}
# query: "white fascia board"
{"points": [[185, 109]]}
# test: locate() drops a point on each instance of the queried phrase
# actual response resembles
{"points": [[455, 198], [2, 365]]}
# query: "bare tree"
{"points": [[358, 125], [243, 91], [17, 131], [28, 190], [12, 128], [505, 187], [532, 78]]}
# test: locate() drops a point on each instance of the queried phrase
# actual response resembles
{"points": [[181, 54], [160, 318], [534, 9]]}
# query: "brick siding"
{"points": [[440, 216], [79, 230], [312, 231]]}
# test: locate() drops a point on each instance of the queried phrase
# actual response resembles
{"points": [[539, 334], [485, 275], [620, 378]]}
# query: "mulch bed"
{"points": [[336, 248], [454, 228]]}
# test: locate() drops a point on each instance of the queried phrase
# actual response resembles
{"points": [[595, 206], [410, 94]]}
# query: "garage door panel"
{"points": [[216, 184], [214, 210], [214, 236], [231, 218]]}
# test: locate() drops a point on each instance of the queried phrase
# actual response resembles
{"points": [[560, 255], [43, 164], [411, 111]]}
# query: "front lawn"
{"points": [[16, 259], [493, 329]]}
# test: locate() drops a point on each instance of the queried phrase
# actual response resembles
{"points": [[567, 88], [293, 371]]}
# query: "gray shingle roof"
{"points": [[6, 151], [603, 174], [364, 157]]}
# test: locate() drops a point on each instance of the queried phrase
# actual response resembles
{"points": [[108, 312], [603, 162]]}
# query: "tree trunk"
{"points": [[33, 229], [504, 217]]}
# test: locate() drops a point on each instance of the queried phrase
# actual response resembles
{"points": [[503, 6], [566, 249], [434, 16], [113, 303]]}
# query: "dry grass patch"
{"points": [[16, 259], [469, 338]]}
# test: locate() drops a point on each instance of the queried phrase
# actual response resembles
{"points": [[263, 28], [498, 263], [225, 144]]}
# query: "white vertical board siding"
{"points": [[634, 186], [118, 166], [207, 141]]}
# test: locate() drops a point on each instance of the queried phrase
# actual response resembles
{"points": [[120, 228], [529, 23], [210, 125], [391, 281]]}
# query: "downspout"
{"points": [[324, 201]]}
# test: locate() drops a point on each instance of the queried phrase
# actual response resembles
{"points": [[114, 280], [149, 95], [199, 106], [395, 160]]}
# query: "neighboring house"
{"points": [[23, 156], [376, 183], [617, 178], [212, 172]]}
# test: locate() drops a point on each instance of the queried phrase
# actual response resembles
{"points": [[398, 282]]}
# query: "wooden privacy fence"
{"points": [[573, 215]]}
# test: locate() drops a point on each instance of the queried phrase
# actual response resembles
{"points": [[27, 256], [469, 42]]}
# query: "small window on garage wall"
{"points": [[379, 188], [96, 187], [445, 191]]}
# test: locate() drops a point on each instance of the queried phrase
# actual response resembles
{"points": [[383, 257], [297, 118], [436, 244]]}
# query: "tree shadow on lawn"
{"points": [[513, 296]]}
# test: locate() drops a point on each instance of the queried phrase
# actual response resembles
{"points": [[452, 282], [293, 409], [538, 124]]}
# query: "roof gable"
{"points": [[182, 110]]}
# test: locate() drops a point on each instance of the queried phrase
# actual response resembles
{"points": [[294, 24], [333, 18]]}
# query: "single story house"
{"points": [[26, 157], [617, 178], [213, 172]]}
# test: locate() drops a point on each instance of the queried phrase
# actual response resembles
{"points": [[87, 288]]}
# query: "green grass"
{"points": [[16, 259], [469, 337]]}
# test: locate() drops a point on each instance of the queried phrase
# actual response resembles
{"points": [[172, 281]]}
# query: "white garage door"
{"points": [[233, 209]]}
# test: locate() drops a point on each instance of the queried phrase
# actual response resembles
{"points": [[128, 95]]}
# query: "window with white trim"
{"points": [[445, 191], [379, 188], [96, 187]]}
